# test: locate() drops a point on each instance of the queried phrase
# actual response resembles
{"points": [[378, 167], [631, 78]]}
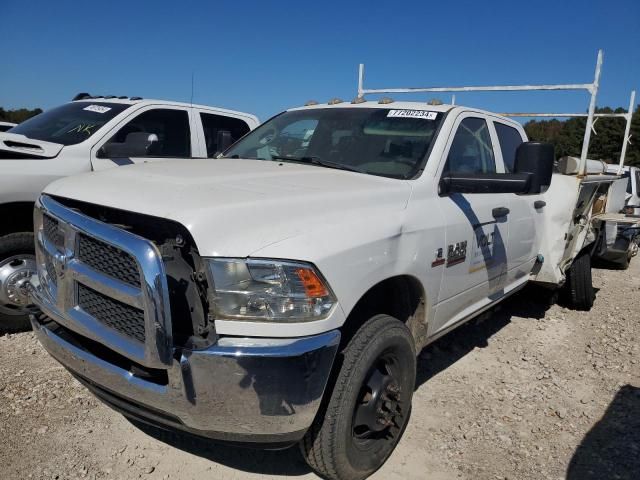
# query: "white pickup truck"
{"points": [[280, 294], [90, 134]]}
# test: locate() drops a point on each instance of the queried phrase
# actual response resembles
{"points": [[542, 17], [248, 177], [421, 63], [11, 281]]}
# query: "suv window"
{"points": [[509, 139], [471, 150], [212, 124], [170, 126], [637, 181], [71, 123]]}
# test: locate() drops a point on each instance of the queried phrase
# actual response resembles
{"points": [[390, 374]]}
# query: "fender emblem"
{"points": [[439, 260]]}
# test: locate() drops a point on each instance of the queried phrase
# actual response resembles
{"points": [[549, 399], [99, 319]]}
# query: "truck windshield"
{"points": [[70, 123], [385, 142]]}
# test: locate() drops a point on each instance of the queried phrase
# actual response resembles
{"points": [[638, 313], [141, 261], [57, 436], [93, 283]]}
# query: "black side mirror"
{"points": [[536, 158], [136, 144], [223, 140]]}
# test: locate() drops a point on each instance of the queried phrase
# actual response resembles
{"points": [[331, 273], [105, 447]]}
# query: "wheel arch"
{"points": [[402, 297], [17, 217]]}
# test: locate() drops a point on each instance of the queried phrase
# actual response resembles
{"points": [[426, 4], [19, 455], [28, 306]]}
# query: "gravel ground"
{"points": [[531, 392]]}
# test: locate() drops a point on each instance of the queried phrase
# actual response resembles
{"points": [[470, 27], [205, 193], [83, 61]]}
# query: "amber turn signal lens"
{"points": [[313, 286]]}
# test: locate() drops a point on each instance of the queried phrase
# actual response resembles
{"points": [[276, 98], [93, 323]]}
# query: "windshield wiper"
{"points": [[319, 162]]}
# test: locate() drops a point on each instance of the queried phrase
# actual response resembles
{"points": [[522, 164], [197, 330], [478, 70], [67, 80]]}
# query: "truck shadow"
{"points": [[611, 449], [531, 302], [287, 462]]}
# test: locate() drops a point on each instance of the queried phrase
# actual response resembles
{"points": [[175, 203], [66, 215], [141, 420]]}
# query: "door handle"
{"points": [[538, 204], [500, 212]]}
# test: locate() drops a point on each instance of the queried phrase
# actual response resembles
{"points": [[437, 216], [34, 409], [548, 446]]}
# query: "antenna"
{"points": [[192, 75]]}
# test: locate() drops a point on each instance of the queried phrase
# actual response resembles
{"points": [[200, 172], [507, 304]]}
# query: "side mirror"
{"points": [[223, 140], [533, 171], [136, 144], [536, 158]]}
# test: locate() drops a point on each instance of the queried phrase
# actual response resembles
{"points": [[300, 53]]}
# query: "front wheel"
{"points": [[370, 404], [17, 266]]}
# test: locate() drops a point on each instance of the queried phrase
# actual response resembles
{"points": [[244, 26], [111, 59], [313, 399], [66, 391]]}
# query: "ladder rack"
{"points": [[592, 88]]}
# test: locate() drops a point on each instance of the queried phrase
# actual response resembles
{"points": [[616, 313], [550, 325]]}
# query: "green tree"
{"points": [[606, 145], [19, 115]]}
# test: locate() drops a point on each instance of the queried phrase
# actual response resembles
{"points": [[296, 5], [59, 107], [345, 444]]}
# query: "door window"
{"points": [[471, 150], [510, 139], [154, 133], [212, 124]]}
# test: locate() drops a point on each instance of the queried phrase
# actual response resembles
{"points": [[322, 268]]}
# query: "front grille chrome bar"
{"points": [[60, 295]]}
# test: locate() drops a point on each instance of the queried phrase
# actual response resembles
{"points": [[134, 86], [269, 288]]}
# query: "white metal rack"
{"points": [[591, 116]]}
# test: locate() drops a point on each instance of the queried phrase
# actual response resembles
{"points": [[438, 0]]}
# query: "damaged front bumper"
{"points": [[257, 391]]}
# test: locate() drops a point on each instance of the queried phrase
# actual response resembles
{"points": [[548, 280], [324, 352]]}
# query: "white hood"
{"points": [[235, 207]]}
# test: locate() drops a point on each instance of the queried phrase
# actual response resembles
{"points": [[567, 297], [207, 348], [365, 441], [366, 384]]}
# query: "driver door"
{"points": [[475, 258], [154, 134]]}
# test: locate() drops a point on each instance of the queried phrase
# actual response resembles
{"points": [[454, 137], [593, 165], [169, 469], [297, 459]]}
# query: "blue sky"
{"points": [[263, 57]]}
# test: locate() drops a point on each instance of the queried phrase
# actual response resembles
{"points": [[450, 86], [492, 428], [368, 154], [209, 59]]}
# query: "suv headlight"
{"points": [[269, 290]]}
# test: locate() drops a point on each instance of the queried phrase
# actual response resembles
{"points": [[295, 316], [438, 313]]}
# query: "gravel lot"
{"points": [[531, 392]]}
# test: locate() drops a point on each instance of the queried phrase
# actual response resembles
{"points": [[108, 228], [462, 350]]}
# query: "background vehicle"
{"points": [[281, 294], [90, 134], [4, 126]]}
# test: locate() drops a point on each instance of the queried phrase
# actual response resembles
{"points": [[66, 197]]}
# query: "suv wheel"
{"points": [[370, 403], [17, 266]]}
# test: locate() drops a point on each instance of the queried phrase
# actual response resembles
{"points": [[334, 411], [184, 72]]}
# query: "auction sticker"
{"points": [[97, 108], [412, 114]]}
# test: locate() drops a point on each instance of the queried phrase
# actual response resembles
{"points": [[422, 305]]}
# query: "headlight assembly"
{"points": [[269, 290]]}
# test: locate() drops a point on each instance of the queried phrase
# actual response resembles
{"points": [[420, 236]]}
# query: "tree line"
{"points": [[567, 136], [19, 115]]}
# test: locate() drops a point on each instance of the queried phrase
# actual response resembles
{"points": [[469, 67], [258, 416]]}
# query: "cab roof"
{"points": [[403, 105], [151, 101]]}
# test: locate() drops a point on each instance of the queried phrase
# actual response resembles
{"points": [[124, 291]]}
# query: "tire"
{"points": [[15, 244], [579, 286], [339, 446], [624, 263]]}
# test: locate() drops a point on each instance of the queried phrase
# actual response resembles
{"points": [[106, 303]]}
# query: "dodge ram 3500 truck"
{"points": [[280, 294], [91, 133]]}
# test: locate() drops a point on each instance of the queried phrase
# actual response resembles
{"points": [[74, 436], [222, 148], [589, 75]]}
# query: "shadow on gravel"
{"points": [[532, 302], [287, 462], [611, 449]]}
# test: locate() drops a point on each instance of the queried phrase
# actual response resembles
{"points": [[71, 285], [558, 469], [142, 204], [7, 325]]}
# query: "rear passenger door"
{"points": [[474, 257], [153, 134], [213, 126], [521, 253]]}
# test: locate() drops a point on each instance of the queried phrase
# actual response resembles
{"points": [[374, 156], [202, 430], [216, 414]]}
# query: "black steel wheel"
{"points": [[370, 404]]}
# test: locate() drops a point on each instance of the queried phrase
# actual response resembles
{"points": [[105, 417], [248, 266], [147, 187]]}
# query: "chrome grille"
{"points": [[52, 232], [51, 271], [112, 313], [104, 283], [108, 259]]}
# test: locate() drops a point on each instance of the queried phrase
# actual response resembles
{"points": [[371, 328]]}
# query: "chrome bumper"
{"points": [[260, 391]]}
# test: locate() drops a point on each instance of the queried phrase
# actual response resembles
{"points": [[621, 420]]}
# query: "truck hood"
{"points": [[234, 207], [17, 146]]}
